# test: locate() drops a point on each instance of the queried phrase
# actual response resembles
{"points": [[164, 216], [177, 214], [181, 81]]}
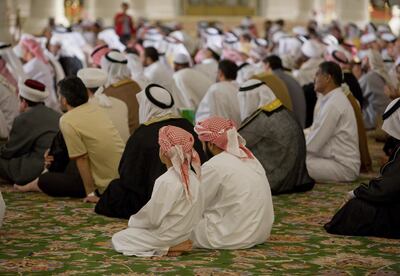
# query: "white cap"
{"points": [[33, 90], [388, 37], [181, 58], [116, 57], [368, 38], [215, 48], [92, 77], [312, 49], [300, 30], [330, 40]]}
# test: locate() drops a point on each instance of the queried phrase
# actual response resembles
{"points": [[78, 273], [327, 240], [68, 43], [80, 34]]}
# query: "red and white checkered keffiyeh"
{"points": [[34, 47], [177, 144], [222, 132]]}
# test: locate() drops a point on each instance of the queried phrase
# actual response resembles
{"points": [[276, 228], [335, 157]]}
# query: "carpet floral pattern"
{"points": [[43, 235]]}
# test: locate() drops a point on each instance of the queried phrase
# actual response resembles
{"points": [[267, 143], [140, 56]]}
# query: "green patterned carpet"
{"points": [[62, 236]]}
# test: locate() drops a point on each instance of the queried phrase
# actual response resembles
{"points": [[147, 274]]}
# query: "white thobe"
{"points": [[191, 87], [332, 143], [165, 221], [118, 114], [9, 107], [238, 204], [221, 100], [306, 73], [208, 67], [37, 70], [160, 74]]}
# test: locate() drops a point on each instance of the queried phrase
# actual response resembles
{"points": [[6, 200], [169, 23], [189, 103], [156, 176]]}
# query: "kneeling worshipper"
{"points": [[275, 137], [92, 141], [221, 97], [94, 80], [120, 85], [21, 158], [140, 165], [237, 198], [373, 209], [333, 153], [163, 225]]}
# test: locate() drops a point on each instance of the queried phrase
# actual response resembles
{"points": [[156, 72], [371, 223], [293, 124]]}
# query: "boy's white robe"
{"points": [[165, 221]]}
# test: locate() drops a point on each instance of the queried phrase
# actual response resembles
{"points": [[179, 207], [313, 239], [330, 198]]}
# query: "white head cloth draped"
{"points": [[95, 78], [376, 63], [115, 65], [13, 62], [154, 102], [391, 119], [312, 49], [252, 95]]}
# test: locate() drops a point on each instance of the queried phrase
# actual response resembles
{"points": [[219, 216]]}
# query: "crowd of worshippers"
{"points": [[188, 138]]}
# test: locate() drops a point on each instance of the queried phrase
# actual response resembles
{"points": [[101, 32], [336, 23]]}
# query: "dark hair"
{"points": [[228, 68], [274, 62], [152, 53], [332, 69], [30, 103], [74, 91], [280, 22]]}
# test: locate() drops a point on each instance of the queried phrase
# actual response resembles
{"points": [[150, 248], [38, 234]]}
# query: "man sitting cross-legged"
{"points": [[237, 197], [164, 224], [92, 142]]}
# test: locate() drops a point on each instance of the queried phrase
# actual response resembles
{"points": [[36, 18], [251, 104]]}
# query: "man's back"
{"points": [[238, 205], [220, 100], [296, 95], [88, 130], [126, 91], [192, 86], [31, 134]]}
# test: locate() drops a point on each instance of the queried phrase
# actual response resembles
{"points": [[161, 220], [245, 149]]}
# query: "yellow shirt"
{"points": [[88, 130]]}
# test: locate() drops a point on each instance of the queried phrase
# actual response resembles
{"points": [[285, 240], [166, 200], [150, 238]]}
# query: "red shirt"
{"points": [[119, 24]]}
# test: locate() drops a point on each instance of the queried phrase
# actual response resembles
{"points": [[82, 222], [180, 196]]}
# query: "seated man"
{"points": [[333, 153], [164, 224], [237, 198], [140, 165], [221, 97], [275, 137], [92, 142], [373, 209], [21, 158]]}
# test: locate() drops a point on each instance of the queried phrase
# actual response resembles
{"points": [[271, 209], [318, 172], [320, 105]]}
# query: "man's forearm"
{"points": [[84, 170]]}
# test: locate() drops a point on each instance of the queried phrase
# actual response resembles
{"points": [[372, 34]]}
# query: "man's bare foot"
{"points": [[179, 249], [30, 187]]}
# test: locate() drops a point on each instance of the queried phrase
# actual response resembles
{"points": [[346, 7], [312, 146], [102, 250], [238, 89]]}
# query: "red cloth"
{"points": [[34, 47], [222, 132], [177, 144], [119, 24], [98, 53]]}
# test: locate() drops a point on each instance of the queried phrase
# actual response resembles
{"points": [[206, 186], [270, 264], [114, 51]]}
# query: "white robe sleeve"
{"points": [[162, 200], [322, 130]]}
